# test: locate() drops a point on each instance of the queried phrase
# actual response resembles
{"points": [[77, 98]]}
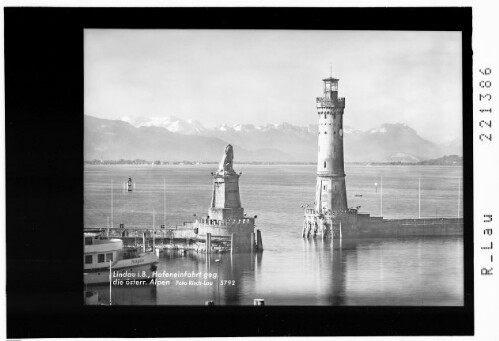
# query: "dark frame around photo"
{"points": [[44, 180]]}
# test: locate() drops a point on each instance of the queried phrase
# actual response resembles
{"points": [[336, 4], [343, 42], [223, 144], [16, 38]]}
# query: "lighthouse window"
{"points": [[100, 258], [88, 259], [325, 115], [324, 164]]}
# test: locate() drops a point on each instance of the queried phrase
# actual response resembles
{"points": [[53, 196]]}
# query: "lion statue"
{"points": [[226, 163]]}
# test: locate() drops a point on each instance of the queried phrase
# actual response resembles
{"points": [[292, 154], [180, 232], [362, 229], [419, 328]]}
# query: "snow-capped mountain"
{"points": [[116, 139], [389, 142], [290, 139], [170, 123], [170, 138], [403, 157], [249, 128]]}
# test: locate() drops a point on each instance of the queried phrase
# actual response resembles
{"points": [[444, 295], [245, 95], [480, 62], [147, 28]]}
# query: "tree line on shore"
{"points": [[447, 160]]}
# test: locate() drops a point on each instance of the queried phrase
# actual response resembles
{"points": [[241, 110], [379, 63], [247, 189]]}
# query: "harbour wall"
{"points": [[237, 237], [369, 227], [351, 224]]}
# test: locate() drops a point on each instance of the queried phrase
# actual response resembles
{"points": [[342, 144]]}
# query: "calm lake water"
{"points": [[291, 271]]}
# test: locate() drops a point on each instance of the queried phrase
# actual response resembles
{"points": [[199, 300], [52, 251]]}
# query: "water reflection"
{"points": [[228, 277], [125, 295], [232, 271], [330, 257], [417, 271], [291, 271]]}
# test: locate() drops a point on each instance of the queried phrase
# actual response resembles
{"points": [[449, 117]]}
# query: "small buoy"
{"points": [[258, 302]]}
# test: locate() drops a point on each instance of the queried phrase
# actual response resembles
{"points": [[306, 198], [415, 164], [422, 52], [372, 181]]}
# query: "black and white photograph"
{"points": [[245, 167], [248, 171]]}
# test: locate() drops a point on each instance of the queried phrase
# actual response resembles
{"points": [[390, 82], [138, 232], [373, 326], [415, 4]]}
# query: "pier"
{"points": [[351, 224], [226, 228], [177, 238]]}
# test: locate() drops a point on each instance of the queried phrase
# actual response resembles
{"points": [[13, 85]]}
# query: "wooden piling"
{"points": [[232, 247], [252, 241], [144, 242], [208, 243], [259, 243], [154, 239]]}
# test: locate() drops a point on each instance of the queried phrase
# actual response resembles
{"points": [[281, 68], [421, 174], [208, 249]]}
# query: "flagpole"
{"points": [[112, 213], [153, 231], [110, 283], [419, 196], [381, 195], [458, 197], [164, 212], [164, 202]]}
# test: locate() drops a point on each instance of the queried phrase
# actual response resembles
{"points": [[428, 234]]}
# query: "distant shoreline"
{"points": [[446, 160], [196, 163]]}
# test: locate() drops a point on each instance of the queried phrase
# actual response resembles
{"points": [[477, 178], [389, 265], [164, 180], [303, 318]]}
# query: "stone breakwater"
{"points": [[350, 224], [379, 227]]}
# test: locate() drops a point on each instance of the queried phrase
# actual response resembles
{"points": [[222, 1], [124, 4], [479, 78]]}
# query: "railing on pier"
{"points": [[226, 222], [138, 232], [426, 221], [135, 231], [331, 213]]}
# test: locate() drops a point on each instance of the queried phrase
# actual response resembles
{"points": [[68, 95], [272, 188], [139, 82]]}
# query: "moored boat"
{"points": [[103, 256]]}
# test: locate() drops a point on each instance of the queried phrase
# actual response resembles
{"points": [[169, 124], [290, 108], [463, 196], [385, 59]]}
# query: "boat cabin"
{"points": [[99, 250]]}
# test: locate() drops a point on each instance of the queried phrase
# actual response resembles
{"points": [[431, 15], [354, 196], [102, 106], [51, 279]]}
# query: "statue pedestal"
{"points": [[226, 202]]}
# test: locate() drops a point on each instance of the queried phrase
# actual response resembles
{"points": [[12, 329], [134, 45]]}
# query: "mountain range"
{"points": [[174, 139]]}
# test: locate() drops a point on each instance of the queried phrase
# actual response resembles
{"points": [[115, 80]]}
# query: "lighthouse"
{"points": [[330, 193], [330, 217], [330, 207]]}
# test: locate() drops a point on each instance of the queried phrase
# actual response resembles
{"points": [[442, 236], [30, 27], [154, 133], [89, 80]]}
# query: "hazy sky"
{"points": [[259, 77]]}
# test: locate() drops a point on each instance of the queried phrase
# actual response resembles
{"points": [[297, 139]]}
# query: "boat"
{"points": [[103, 255]]}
